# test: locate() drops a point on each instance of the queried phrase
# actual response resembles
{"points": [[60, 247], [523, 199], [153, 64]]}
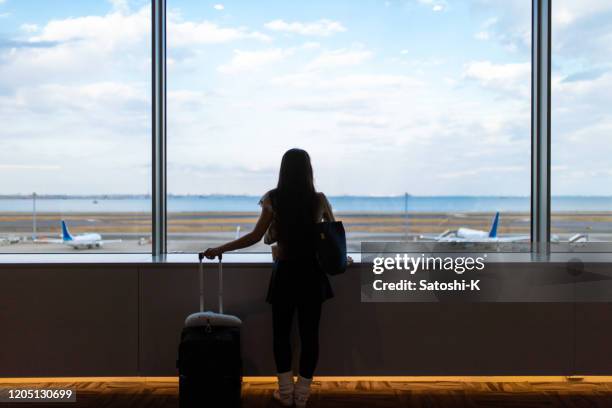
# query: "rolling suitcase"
{"points": [[209, 358]]}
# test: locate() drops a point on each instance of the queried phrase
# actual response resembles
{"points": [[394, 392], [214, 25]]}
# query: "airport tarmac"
{"points": [[192, 244], [193, 232], [178, 244]]}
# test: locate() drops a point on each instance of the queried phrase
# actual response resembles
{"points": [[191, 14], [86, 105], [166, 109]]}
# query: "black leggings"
{"points": [[309, 315]]}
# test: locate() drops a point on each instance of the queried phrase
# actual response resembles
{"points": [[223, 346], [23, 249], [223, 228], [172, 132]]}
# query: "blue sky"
{"points": [[429, 97]]}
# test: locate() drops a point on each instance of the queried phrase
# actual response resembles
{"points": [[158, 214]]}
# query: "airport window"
{"points": [[581, 121], [76, 126], [416, 115]]}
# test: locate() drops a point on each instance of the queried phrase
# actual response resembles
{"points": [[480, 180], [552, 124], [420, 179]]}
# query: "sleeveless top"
{"points": [[322, 212], [296, 281]]}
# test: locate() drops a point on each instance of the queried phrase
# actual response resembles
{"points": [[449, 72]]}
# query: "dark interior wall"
{"points": [[68, 320], [126, 320]]}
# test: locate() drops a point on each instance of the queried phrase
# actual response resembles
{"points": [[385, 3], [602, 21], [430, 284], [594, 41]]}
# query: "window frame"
{"points": [[540, 211]]}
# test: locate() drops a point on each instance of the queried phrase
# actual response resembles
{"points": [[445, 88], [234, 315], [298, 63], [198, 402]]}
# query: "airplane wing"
{"points": [[48, 241], [444, 236], [110, 241], [516, 238], [429, 237]]}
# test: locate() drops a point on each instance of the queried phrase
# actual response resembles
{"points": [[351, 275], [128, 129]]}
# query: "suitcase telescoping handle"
{"points": [[201, 267]]}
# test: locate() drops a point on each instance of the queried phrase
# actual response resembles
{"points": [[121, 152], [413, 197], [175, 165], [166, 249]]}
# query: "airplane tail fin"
{"points": [[65, 233], [494, 224]]}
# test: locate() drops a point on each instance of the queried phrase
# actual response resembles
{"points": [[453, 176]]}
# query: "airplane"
{"points": [[82, 241], [471, 235], [10, 240]]}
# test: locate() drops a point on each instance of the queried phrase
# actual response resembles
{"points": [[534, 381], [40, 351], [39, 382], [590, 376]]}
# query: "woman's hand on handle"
{"points": [[211, 253]]}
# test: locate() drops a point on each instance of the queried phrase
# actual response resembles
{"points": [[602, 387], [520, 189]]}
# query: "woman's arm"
{"points": [[328, 214], [247, 240]]}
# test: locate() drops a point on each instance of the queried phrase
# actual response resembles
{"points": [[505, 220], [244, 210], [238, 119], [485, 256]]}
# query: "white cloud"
{"points": [[490, 22], [435, 5], [4, 15], [77, 49], [510, 24], [311, 45], [347, 82], [61, 84], [188, 33], [94, 98], [482, 35], [71, 87], [111, 31], [566, 12], [487, 71], [377, 81], [244, 61], [343, 104], [363, 121], [29, 28], [186, 97], [219, 7], [575, 21], [120, 6], [339, 58], [509, 78], [320, 28], [28, 166], [481, 171], [79, 132]]}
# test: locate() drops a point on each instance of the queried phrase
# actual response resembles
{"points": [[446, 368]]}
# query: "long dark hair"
{"points": [[294, 202]]}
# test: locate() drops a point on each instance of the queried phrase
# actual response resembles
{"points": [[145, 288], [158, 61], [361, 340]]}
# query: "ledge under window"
{"points": [[260, 259]]}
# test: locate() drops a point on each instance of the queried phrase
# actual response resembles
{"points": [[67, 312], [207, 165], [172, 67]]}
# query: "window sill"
{"points": [[128, 259], [257, 259]]}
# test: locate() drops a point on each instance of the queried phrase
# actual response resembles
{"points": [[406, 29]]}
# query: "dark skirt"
{"points": [[298, 281]]}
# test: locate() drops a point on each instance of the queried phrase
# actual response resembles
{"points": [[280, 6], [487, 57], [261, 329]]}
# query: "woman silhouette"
{"points": [[288, 217]]}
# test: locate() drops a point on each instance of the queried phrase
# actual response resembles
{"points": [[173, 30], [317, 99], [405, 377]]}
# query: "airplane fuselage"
{"points": [[85, 241]]}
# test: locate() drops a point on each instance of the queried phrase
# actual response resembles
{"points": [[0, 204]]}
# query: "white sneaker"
{"points": [[284, 394], [302, 392]]}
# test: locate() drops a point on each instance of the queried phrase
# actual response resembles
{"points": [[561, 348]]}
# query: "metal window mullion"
{"points": [[158, 196], [540, 126]]}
